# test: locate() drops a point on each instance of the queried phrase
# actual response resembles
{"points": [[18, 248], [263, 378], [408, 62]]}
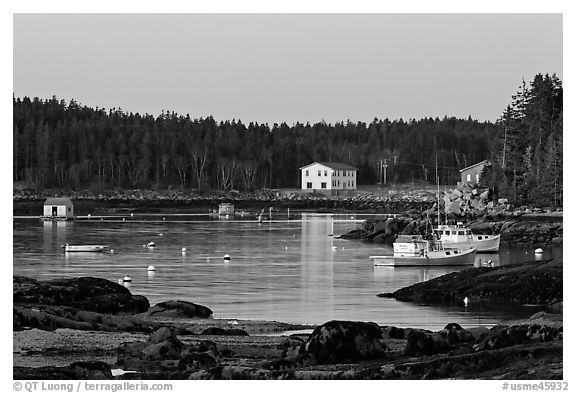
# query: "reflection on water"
{"points": [[286, 270]]}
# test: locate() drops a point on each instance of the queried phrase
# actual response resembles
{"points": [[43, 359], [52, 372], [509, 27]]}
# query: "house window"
{"points": [[69, 209], [468, 177], [333, 173], [325, 173], [477, 177], [323, 185], [309, 184], [307, 172], [319, 173]]}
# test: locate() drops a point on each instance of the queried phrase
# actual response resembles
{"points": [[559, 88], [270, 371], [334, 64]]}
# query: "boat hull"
{"points": [[84, 248], [449, 257], [482, 243]]}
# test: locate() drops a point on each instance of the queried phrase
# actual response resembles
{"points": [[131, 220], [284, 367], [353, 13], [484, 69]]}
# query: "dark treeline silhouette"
{"points": [[527, 159], [70, 146]]}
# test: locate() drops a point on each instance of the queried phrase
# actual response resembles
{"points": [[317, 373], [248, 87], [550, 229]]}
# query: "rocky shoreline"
{"points": [[90, 328]]}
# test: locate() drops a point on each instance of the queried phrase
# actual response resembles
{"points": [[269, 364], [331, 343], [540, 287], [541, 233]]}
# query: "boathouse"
{"points": [[471, 174], [330, 178], [226, 209], [59, 209]]}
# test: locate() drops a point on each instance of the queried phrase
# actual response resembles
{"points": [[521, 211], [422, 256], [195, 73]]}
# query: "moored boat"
{"points": [[83, 248], [458, 236], [417, 251]]}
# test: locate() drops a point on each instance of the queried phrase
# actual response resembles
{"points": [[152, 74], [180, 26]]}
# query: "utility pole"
{"points": [[384, 165]]}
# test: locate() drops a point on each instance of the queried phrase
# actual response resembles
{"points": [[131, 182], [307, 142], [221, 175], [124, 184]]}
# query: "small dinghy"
{"points": [[83, 248]]}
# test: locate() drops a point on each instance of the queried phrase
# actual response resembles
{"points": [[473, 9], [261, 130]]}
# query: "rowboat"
{"points": [[417, 251], [458, 236], [83, 248]]}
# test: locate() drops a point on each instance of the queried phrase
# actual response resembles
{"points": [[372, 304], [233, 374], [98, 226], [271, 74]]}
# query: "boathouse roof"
{"points": [[58, 201]]}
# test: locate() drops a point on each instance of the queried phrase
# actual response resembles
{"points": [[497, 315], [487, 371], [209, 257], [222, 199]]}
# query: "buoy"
{"points": [[183, 249], [466, 301], [286, 247], [151, 245], [131, 214], [160, 234], [226, 257], [127, 279], [120, 281], [151, 268], [164, 218], [89, 215], [538, 251], [232, 322], [111, 251], [123, 219]]}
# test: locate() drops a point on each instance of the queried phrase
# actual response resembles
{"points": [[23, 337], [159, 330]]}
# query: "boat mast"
{"points": [[438, 185]]}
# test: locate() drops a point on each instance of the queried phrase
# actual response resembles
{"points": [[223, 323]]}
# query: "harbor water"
{"points": [[294, 270]]}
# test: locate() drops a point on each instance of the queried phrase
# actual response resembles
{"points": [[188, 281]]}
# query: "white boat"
{"points": [[458, 236], [416, 251], [84, 248]]}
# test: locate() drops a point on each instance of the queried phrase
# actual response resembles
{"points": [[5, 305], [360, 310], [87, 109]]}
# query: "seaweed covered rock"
{"points": [[85, 293], [345, 341], [179, 309]]}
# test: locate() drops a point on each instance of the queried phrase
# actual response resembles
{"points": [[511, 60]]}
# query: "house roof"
{"points": [[337, 166], [58, 201], [485, 162]]}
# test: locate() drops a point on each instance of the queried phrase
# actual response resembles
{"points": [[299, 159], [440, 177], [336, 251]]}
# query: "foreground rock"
{"points": [[537, 283], [344, 342]]}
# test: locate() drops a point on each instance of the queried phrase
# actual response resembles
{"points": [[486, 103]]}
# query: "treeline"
{"points": [[70, 146], [527, 159]]}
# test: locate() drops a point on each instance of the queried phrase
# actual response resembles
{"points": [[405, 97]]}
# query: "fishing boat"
{"points": [[458, 236], [414, 250], [83, 248]]}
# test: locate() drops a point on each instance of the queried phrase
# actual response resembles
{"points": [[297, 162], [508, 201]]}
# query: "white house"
{"points": [[59, 209], [330, 178]]}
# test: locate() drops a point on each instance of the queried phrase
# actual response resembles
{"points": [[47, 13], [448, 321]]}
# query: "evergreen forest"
{"points": [[65, 145]]}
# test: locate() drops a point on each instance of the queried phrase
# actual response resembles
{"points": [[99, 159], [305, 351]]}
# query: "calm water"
{"points": [[289, 270]]}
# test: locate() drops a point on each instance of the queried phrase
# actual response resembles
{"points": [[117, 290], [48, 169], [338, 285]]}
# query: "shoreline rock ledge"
{"points": [[532, 282]]}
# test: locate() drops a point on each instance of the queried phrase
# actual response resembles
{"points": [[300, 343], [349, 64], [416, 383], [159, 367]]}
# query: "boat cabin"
{"points": [[414, 245]]}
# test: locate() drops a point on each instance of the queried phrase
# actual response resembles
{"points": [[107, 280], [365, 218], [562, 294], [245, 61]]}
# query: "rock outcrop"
{"points": [[179, 309], [84, 293], [537, 282]]}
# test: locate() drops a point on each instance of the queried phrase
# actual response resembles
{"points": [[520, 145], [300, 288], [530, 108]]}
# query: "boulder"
{"points": [[179, 309], [454, 207], [421, 342], [345, 341], [291, 347], [194, 361], [161, 345]]}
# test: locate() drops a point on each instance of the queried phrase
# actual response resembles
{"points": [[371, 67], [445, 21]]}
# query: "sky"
{"points": [[273, 68]]}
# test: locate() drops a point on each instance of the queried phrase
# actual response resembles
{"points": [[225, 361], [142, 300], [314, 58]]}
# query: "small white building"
{"points": [[331, 178], [59, 209]]}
